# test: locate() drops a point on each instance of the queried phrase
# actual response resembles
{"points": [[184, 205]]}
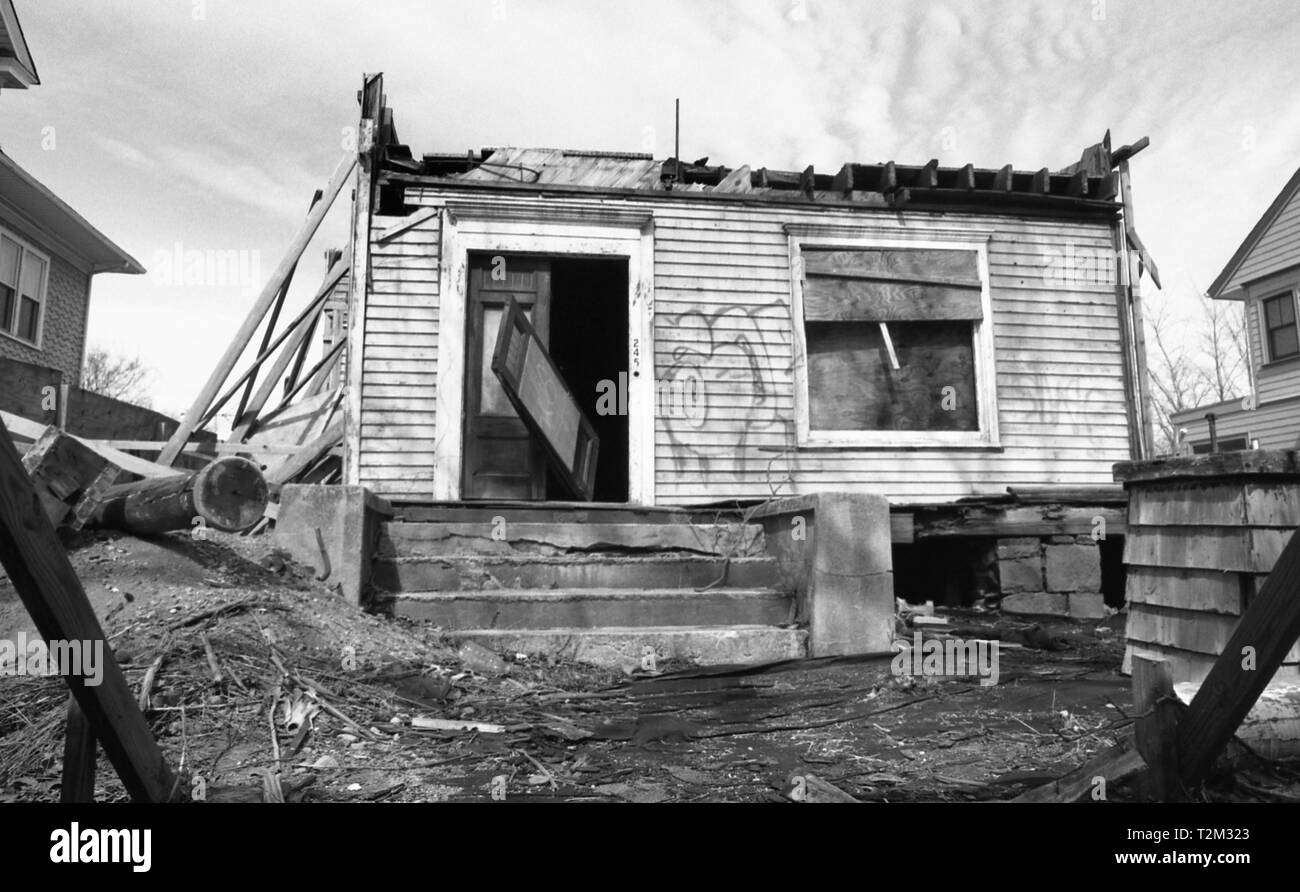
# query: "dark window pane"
{"points": [[1287, 306], [28, 319], [853, 387], [1272, 312], [6, 308], [1283, 342]]}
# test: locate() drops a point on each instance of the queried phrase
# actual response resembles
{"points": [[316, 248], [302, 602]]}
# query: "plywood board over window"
{"points": [[894, 344]]}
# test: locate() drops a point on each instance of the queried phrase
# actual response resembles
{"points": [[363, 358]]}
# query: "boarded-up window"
{"points": [[890, 336]]}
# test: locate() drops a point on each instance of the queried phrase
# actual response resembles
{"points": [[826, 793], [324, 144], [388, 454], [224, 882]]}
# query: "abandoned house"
{"points": [[1264, 274], [596, 390]]}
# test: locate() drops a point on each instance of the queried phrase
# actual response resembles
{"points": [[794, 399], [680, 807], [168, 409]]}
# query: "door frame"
{"points": [[595, 232]]}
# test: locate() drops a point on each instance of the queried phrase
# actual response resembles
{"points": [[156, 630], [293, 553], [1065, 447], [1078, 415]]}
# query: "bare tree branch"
{"points": [[115, 376]]}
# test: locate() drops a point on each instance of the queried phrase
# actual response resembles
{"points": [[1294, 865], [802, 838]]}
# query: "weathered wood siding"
{"points": [[1195, 551], [722, 314]]}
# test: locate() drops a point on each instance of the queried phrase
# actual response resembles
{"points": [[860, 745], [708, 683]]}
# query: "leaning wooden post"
{"points": [[255, 315], [40, 571], [372, 106], [1155, 731], [1267, 631]]}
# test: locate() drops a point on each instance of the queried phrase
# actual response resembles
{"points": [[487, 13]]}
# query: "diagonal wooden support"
{"points": [[49, 588], [292, 338], [294, 333], [256, 314], [275, 318], [1267, 631]]}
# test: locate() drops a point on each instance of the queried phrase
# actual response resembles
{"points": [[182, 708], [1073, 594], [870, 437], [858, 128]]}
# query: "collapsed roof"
{"points": [[1090, 185]]}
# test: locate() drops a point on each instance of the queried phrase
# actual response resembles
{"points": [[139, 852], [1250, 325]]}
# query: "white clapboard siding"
{"points": [[722, 315], [1278, 247], [401, 358]]}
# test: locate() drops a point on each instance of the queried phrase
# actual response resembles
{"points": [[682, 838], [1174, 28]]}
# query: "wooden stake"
{"points": [[41, 573]]}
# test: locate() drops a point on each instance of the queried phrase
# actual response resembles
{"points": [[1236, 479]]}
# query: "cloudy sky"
{"points": [[208, 123]]}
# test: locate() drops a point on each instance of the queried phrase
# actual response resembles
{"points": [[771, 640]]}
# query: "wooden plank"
{"points": [[40, 571], [959, 520], [1113, 765], [371, 99], [1205, 548], [1205, 591], [204, 448], [1189, 503], [407, 223], [544, 402], [1186, 630], [256, 314], [129, 463], [956, 267], [1155, 730], [1261, 642], [852, 385], [852, 300], [1273, 504], [294, 336], [65, 473], [242, 405], [305, 456]]}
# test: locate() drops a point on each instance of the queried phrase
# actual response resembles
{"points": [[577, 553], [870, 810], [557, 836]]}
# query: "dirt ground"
{"points": [[346, 693]]}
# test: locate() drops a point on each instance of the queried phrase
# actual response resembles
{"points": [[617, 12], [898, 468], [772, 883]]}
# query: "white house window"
{"points": [[1280, 333], [23, 276], [896, 339]]}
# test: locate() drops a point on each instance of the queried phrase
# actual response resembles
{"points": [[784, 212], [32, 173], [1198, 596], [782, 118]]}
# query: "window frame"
{"points": [[1265, 347], [25, 247], [987, 436]]}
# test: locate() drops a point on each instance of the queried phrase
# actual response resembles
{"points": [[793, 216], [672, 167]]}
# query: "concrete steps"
{"points": [[592, 583], [459, 572], [505, 537]]}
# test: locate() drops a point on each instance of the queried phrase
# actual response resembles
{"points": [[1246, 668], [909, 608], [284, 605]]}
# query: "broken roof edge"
{"points": [[1090, 186]]}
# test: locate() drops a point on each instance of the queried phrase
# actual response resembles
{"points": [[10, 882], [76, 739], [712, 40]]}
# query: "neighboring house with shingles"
{"points": [[48, 252], [1263, 273]]}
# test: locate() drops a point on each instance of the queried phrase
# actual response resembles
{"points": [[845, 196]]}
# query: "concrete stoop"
{"points": [[623, 647], [806, 576], [599, 591]]}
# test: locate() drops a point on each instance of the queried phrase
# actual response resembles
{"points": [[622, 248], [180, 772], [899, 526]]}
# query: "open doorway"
{"points": [[578, 309], [589, 345]]}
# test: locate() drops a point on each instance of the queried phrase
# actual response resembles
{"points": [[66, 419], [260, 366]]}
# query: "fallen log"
{"points": [[229, 494]]}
